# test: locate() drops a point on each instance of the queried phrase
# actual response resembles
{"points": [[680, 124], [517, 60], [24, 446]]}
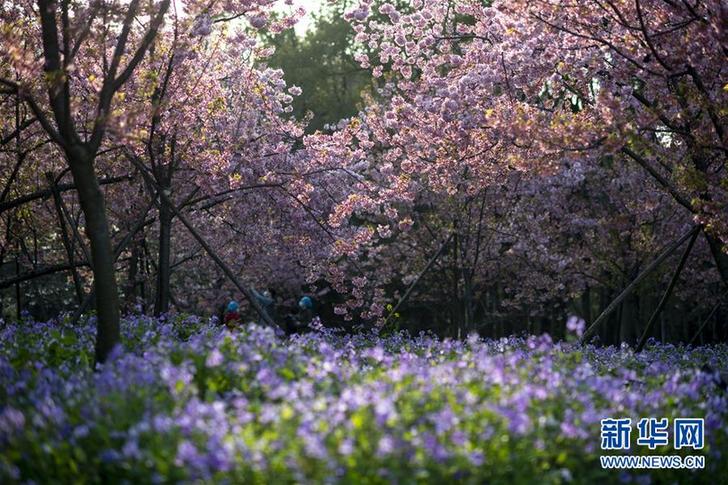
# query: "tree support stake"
{"points": [[220, 263], [707, 319], [631, 287], [419, 276], [668, 292]]}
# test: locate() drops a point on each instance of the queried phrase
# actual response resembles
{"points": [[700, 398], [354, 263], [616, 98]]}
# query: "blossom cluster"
{"points": [[186, 399], [519, 120]]}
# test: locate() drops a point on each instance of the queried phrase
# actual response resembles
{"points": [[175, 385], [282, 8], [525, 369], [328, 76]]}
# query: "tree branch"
{"points": [[46, 193]]}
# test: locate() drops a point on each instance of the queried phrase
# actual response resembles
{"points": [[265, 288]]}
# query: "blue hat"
{"points": [[306, 302], [232, 306]]}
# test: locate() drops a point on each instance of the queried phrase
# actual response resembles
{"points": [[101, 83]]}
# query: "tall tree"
{"points": [[90, 51], [63, 35]]}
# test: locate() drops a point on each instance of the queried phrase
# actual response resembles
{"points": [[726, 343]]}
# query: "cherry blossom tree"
{"points": [[89, 52], [517, 160], [477, 92]]}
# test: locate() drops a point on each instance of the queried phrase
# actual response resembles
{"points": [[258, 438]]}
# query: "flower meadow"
{"points": [[186, 400]]}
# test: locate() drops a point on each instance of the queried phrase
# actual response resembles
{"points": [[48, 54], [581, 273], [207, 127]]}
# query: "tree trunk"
{"points": [[585, 301], [161, 304], [468, 307], [720, 256], [456, 318], [18, 307], [629, 318], [612, 336], [102, 258], [78, 286], [131, 294]]}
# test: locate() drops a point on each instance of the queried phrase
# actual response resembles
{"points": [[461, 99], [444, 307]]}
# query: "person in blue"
{"points": [[306, 310], [305, 303], [298, 316], [267, 300], [231, 318]]}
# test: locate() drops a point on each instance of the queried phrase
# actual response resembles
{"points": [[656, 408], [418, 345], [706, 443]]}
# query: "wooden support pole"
{"points": [[419, 276], [668, 292], [631, 287], [707, 319], [156, 192]]}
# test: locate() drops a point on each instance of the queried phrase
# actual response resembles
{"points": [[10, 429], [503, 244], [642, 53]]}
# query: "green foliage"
{"points": [[322, 64]]}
